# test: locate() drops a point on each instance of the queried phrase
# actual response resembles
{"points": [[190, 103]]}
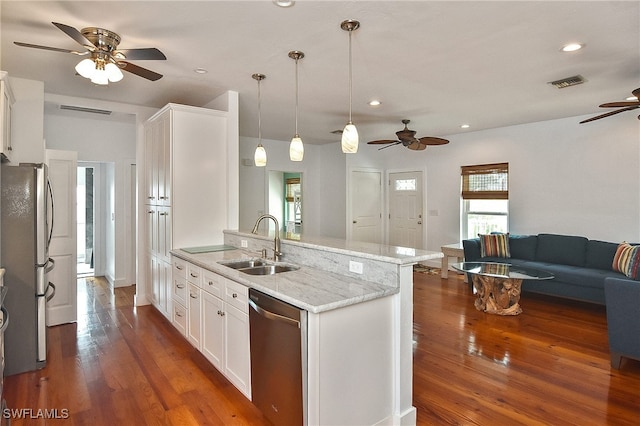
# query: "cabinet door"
{"points": [[152, 229], [149, 164], [213, 329], [164, 161], [195, 313], [155, 281], [163, 233], [237, 366], [165, 288]]}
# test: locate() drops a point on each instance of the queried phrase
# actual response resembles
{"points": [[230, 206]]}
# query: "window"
{"points": [[485, 199]]}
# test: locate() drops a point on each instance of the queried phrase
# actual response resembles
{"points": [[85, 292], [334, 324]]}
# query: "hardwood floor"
{"points": [[549, 365]]}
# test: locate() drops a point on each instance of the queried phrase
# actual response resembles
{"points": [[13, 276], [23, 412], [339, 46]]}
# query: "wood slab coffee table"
{"points": [[498, 285]]}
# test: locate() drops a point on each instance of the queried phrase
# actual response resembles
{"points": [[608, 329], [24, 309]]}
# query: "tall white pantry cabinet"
{"points": [[186, 188]]}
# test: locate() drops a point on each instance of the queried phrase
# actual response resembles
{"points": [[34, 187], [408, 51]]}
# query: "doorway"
{"points": [[85, 221]]}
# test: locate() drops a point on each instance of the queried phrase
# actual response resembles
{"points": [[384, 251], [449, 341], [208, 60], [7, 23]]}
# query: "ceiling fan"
{"points": [[104, 57], [625, 106], [408, 139]]}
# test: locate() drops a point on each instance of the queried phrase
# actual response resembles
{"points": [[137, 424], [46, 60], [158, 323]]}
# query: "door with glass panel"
{"points": [[405, 209]]}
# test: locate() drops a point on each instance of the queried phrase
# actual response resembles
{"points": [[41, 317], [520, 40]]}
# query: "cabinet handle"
{"points": [[151, 212], [179, 314], [151, 197], [210, 282], [221, 313], [193, 275], [180, 286], [179, 268], [234, 295], [192, 296]]}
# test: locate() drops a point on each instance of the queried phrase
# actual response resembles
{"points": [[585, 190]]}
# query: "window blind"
{"points": [[485, 182]]}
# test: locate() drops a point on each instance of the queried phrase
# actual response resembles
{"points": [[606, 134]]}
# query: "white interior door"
{"points": [[63, 307], [405, 209], [366, 206]]}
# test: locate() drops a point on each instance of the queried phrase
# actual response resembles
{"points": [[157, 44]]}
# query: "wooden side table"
{"points": [[451, 250]]}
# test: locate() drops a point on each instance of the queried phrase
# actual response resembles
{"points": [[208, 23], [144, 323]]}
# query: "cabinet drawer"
{"points": [[179, 267], [194, 274], [237, 295], [213, 283], [179, 292], [180, 318]]}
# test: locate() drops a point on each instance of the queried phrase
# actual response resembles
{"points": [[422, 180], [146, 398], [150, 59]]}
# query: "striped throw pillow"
{"points": [[494, 245], [627, 260]]}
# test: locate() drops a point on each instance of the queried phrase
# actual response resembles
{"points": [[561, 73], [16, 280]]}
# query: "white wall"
{"points": [[323, 185], [564, 177], [104, 140]]}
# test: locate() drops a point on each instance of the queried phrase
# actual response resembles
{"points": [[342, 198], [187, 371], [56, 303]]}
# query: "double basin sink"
{"points": [[258, 266]]}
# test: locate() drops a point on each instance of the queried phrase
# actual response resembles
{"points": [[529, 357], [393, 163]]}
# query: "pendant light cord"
{"points": [[259, 115], [296, 97], [350, 78]]}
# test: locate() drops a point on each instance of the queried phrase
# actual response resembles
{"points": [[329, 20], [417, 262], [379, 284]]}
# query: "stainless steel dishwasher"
{"points": [[278, 358]]}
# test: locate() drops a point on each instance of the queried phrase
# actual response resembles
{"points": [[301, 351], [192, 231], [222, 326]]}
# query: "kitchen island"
{"points": [[359, 330]]}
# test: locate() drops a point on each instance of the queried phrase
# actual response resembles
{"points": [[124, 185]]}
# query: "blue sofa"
{"points": [[623, 318], [580, 266]]}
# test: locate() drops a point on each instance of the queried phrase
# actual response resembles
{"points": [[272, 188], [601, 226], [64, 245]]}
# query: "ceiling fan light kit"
{"points": [[350, 137], [105, 63], [260, 156], [296, 148]]}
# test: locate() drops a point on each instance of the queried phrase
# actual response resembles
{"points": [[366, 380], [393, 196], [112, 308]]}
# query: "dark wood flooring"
{"points": [[121, 365]]}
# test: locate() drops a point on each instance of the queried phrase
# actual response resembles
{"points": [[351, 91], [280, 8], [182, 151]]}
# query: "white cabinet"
{"points": [[194, 333], [186, 174], [217, 320], [179, 290], [6, 105]]}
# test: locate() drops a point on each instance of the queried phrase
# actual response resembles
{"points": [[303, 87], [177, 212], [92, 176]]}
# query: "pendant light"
{"points": [[296, 149], [350, 133], [260, 156]]}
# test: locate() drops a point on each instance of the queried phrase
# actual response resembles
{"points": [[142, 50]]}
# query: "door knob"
{"points": [[419, 222], [355, 221]]}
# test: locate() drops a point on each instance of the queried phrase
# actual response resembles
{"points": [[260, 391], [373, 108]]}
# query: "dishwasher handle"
{"points": [[273, 316]]}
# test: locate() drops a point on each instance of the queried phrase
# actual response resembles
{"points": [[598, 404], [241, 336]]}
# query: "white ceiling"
{"points": [[440, 64]]}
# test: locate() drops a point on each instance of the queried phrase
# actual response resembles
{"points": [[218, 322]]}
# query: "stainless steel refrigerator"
{"points": [[26, 229]]}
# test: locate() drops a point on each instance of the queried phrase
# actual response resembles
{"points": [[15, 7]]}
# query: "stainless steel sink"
{"points": [[268, 269], [242, 264]]}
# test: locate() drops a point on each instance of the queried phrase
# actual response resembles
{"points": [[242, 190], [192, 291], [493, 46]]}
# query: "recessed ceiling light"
{"points": [[464, 126], [572, 47], [200, 71], [374, 102], [283, 3]]}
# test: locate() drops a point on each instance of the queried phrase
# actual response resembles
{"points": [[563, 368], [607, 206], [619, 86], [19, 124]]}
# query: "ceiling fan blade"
{"points": [[382, 142], [137, 70], [393, 144], [636, 93], [75, 34], [417, 146], [597, 117], [54, 49], [150, 53], [620, 104], [432, 140]]}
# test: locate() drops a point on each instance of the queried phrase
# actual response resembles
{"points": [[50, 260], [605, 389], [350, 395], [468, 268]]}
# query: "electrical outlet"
{"points": [[355, 267], [243, 243]]}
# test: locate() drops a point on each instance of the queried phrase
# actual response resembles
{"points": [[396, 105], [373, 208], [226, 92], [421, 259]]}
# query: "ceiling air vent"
{"points": [[567, 82], [85, 109]]}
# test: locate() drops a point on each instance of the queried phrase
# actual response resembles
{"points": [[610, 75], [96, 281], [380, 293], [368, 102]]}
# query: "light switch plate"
{"points": [[243, 243]]}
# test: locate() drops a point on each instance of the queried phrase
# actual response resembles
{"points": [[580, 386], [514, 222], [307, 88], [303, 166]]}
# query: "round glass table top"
{"points": [[502, 270]]}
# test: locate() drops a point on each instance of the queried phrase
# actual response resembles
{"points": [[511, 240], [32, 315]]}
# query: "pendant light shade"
{"points": [[350, 133], [260, 156], [296, 148]]}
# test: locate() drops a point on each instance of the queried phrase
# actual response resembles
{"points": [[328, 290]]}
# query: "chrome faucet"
{"points": [[276, 241]]}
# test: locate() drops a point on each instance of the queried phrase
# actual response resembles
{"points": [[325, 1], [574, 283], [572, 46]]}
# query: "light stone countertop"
{"points": [[308, 288]]}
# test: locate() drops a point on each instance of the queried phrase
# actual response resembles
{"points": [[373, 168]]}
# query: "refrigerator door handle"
{"points": [[52, 213], [49, 265], [51, 285], [5, 319]]}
